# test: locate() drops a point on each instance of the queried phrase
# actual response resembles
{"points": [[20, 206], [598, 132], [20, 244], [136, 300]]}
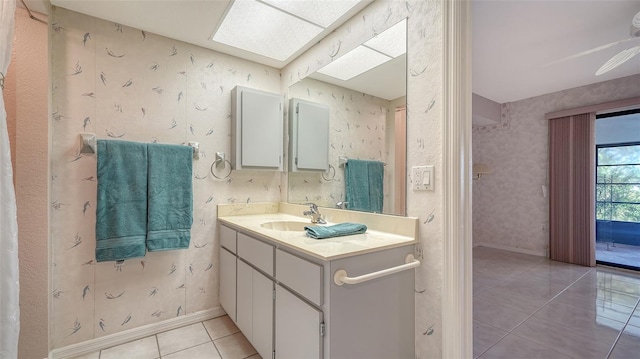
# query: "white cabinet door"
{"points": [[228, 283], [297, 327], [262, 314], [309, 136], [257, 130], [244, 302], [255, 308]]}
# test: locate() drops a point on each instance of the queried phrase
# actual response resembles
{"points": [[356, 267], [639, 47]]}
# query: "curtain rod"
{"points": [[31, 15]]}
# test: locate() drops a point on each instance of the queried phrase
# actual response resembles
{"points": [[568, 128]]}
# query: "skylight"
{"points": [[385, 46], [278, 28]]}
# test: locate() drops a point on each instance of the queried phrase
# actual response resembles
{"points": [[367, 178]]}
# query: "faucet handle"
{"points": [[342, 205], [312, 206]]}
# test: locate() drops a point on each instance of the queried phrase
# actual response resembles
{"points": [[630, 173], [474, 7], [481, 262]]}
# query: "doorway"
{"points": [[618, 189]]}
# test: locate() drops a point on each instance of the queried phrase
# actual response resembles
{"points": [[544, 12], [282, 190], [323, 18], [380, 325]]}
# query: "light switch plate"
{"points": [[422, 178]]}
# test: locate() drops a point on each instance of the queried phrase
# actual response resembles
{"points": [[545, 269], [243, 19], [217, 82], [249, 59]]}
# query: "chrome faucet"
{"points": [[342, 205], [313, 211]]}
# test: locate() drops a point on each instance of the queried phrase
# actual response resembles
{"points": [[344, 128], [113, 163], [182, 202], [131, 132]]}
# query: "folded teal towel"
{"points": [[170, 197], [121, 208], [337, 230], [364, 185]]}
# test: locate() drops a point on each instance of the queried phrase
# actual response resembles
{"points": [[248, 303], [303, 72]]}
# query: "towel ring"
{"points": [[224, 162], [333, 176]]}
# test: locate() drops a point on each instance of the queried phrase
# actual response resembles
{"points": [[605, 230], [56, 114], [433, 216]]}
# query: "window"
{"points": [[618, 182]]}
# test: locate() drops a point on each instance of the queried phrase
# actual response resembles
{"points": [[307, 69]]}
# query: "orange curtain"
{"points": [[572, 189]]}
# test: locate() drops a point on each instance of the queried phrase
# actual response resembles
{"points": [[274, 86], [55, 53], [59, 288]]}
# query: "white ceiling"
{"points": [[518, 46], [521, 48], [192, 21]]}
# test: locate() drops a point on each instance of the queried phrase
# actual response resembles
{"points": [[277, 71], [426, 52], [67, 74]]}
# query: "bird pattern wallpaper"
{"points": [[357, 129], [127, 84], [124, 83]]}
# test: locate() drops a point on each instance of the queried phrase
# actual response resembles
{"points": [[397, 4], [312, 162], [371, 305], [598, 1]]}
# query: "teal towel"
{"points": [[121, 208], [337, 230], [170, 197], [364, 185]]}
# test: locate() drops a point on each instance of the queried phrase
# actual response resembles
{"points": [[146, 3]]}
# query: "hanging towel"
{"points": [[364, 185], [337, 230], [121, 209], [170, 197]]}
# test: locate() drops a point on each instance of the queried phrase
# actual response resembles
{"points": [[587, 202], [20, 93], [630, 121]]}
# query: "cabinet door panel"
{"points": [[228, 238], [244, 302], [228, 283], [312, 136], [297, 327], [261, 129], [256, 252], [302, 276], [262, 314]]}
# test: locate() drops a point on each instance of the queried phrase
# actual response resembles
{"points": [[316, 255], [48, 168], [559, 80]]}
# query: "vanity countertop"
{"points": [[324, 249]]}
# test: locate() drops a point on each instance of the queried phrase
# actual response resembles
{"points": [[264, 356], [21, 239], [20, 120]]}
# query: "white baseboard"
{"points": [[126, 336], [512, 249]]}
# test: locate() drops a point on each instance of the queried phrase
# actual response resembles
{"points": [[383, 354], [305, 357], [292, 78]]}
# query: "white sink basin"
{"points": [[288, 226]]}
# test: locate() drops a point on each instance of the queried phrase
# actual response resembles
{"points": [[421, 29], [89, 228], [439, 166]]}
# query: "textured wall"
{"points": [[357, 126], [424, 134], [26, 99], [119, 82], [508, 206]]}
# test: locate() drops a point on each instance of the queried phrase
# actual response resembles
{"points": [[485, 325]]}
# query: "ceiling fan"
{"points": [[624, 55]]}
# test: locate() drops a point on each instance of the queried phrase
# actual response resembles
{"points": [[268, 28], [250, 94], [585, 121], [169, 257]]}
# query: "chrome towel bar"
{"points": [[340, 277]]}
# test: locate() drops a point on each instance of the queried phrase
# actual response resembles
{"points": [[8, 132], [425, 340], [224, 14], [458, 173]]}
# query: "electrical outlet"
{"points": [[419, 252], [422, 178]]}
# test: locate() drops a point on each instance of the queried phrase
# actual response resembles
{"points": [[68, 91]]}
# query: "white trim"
{"points": [[512, 249], [457, 308], [94, 345]]}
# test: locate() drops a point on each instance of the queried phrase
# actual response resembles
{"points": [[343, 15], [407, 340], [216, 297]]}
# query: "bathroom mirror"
{"points": [[365, 90]]}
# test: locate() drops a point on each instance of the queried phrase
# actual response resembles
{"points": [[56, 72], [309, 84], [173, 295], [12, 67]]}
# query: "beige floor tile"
{"points": [[255, 356], [220, 327], [635, 319], [182, 338], [146, 348], [485, 336], [533, 286], [202, 351], [519, 302], [559, 272], [514, 347], [588, 318], [234, 346], [94, 355], [628, 346], [496, 315], [565, 340]]}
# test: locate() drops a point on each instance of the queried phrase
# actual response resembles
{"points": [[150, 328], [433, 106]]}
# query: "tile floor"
{"points": [[618, 253], [525, 307], [217, 338], [530, 307]]}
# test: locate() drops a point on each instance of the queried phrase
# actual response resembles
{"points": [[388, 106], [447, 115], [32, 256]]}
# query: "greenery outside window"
{"points": [[618, 182]]}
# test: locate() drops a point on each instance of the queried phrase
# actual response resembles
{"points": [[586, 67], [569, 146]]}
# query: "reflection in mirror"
{"points": [[365, 90]]}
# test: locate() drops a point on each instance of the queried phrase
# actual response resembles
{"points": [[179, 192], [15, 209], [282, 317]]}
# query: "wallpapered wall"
{"points": [[424, 134], [117, 81], [357, 126], [123, 83], [509, 209]]}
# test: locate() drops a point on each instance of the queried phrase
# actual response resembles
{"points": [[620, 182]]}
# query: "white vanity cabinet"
{"points": [[255, 308], [288, 306], [228, 263], [257, 127]]}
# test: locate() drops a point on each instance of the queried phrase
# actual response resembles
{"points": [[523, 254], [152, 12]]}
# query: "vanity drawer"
{"points": [[302, 276], [258, 253], [228, 238]]}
